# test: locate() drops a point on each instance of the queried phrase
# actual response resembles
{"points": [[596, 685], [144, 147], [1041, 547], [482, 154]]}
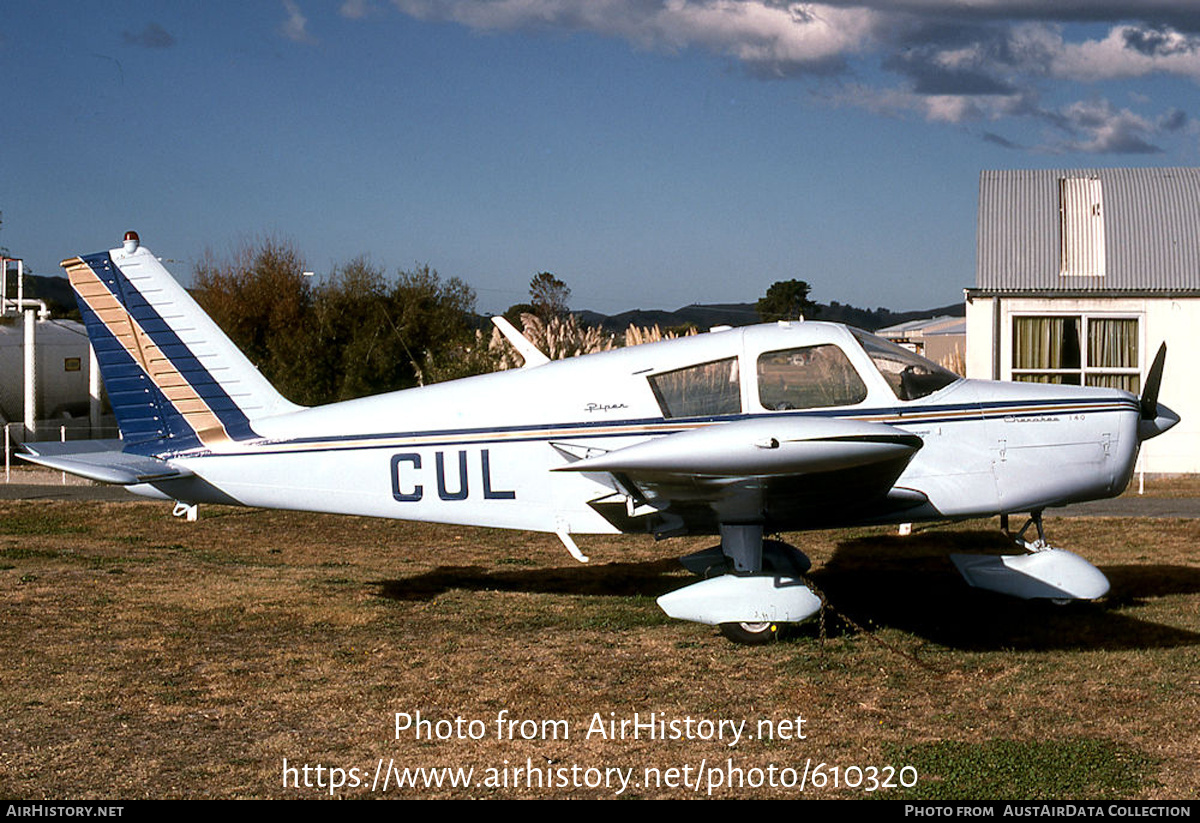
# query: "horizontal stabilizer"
{"points": [[102, 461], [1053, 574], [761, 447]]}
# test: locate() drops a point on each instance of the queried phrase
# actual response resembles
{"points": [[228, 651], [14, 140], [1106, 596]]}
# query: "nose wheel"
{"points": [[751, 587], [750, 634]]}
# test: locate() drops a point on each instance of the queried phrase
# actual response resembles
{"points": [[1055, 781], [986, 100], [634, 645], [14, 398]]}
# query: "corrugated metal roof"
{"points": [[926, 326], [1151, 230]]}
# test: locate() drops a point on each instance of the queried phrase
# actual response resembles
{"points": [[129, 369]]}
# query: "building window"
{"points": [[1078, 350], [1080, 207]]}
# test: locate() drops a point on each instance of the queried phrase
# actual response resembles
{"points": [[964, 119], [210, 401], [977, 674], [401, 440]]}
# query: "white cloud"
{"points": [[956, 109], [355, 9], [762, 33], [757, 32], [295, 27], [1130, 51], [787, 36], [1103, 129], [942, 60]]}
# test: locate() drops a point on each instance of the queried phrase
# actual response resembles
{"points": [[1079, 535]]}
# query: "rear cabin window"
{"points": [[699, 391], [808, 378]]}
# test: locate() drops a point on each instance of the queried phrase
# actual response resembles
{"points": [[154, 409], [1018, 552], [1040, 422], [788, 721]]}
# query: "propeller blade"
{"points": [[1149, 399]]}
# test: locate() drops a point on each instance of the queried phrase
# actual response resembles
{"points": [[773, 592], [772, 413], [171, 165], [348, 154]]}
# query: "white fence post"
{"points": [[30, 376]]}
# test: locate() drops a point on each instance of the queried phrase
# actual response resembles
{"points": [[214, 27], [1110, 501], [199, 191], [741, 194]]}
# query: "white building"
{"points": [[61, 387], [1080, 275], [941, 339]]}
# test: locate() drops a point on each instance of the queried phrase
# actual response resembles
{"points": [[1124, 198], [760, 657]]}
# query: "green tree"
{"points": [[513, 313], [786, 300], [377, 335], [357, 333], [262, 300], [548, 295], [435, 324], [352, 322]]}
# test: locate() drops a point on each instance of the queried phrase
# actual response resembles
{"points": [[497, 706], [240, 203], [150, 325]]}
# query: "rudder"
{"points": [[170, 372]]}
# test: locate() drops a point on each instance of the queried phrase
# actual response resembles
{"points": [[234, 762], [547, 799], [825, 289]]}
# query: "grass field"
{"points": [[146, 656]]}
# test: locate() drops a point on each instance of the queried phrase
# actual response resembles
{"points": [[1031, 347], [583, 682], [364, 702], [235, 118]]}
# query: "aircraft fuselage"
{"points": [[491, 449]]}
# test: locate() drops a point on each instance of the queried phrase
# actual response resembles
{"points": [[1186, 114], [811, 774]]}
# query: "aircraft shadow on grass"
{"points": [[886, 581]]}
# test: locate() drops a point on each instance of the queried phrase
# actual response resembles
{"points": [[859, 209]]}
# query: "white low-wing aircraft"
{"points": [[737, 432]]}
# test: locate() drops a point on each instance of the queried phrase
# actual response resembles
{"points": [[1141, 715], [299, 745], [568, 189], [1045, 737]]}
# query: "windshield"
{"points": [[910, 375]]}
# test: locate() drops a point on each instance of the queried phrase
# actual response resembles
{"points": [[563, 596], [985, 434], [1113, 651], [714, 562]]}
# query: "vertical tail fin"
{"points": [[171, 374]]}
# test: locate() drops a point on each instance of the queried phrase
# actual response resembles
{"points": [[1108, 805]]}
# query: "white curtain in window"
{"points": [[1046, 343], [1112, 343]]}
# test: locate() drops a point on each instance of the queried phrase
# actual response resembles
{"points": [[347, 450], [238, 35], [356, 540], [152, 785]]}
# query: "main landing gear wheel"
{"points": [[750, 634]]}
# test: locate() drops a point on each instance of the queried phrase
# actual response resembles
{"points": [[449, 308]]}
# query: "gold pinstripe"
{"points": [[635, 429], [138, 344]]}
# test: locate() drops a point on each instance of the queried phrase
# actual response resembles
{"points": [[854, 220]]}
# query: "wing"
{"points": [[787, 472], [101, 460]]}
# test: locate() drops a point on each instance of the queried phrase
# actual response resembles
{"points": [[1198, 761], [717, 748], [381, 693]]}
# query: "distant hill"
{"points": [[742, 314], [57, 293]]}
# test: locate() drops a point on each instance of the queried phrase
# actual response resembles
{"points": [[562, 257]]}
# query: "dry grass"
{"points": [[1169, 485], [562, 337], [150, 657]]}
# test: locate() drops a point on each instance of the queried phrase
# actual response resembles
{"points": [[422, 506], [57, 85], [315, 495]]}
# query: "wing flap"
{"points": [[102, 461]]}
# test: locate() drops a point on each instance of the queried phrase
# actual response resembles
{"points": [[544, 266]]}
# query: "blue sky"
{"points": [[651, 153]]}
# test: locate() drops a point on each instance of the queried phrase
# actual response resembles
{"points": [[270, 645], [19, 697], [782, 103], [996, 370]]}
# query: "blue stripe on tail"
{"points": [[144, 413]]}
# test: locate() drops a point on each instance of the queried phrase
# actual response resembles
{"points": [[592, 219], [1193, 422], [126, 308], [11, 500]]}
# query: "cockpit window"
{"points": [[699, 391], [808, 378], [910, 375]]}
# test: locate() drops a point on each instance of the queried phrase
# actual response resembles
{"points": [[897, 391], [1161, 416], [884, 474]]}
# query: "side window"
{"points": [[699, 391], [808, 378]]}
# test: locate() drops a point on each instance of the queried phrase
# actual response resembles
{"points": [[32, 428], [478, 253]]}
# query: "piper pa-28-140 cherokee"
{"points": [[738, 432]]}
